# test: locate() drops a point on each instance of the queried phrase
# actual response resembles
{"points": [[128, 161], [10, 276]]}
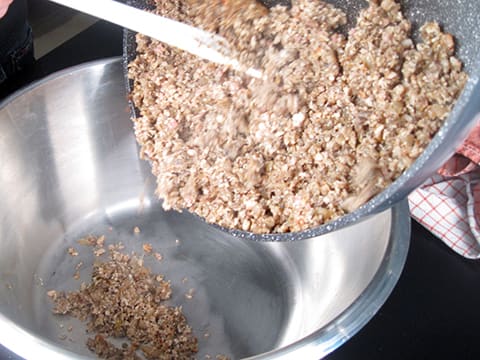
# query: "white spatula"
{"points": [[188, 38]]}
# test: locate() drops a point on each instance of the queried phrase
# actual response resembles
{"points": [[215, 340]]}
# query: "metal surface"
{"points": [[69, 167], [458, 17]]}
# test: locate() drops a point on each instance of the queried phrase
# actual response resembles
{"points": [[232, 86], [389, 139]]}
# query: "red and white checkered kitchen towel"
{"points": [[448, 204]]}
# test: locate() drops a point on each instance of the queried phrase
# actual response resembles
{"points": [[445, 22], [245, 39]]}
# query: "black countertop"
{"points": [[433, 312]]}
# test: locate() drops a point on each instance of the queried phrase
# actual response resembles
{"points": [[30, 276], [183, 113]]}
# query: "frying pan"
{"points": [[460, 18]]}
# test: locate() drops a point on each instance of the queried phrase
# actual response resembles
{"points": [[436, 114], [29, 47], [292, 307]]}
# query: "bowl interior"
{"points": [[69, 168]]}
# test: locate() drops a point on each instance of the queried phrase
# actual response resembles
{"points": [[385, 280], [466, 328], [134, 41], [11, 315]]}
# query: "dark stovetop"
{"points": [[433, 312]]}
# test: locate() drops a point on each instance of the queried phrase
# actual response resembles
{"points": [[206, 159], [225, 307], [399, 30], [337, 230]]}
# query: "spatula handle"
{"points": [[188, 38]]}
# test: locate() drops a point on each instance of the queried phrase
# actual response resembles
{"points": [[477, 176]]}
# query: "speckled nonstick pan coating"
{"points": [[460, 18]]}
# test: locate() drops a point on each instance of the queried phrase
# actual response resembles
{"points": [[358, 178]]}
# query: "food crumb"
{"points": [[152, 328], [136, 230], [222, 357], [147, 248], [158, 256], [89, 240], [99, 252], [100, 241], [62, 337], [72, 251]]}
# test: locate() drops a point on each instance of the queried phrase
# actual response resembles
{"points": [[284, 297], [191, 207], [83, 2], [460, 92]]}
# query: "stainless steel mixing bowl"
{"points": [[69, 167]]}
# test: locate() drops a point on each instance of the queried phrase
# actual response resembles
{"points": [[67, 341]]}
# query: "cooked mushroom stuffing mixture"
{"points": [[125, 300], [335, 120]]}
